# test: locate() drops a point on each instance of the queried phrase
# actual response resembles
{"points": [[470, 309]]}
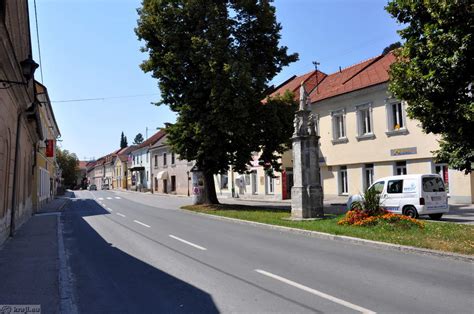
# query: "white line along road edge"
{"points": [[141, 223], [188, 243], [316, 292]]}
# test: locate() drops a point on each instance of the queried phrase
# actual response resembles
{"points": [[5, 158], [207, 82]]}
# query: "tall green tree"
{"points": [[214, 60], [433, 72], [138, 139], [123, 141], [69, 164]]}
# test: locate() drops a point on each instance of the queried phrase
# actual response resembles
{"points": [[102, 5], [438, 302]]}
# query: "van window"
{"points": [[378, 187], [395, 186], [433, 184]]}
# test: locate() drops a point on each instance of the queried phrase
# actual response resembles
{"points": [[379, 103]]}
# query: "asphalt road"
{"points": [[139, 253]]}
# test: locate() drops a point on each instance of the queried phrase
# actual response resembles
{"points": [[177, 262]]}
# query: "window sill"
{"points": [[403, 131], [340, 140], [369, 136]]}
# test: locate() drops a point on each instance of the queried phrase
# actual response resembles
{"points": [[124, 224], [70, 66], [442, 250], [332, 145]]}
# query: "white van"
{"points": [[411, 195]]}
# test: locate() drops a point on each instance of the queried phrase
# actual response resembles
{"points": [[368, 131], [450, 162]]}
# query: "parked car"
{"points": [[92, 187], [105, 186], [411, 195]]}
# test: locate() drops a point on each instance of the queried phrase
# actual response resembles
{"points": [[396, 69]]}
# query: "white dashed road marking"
{"points": [[188, 243], [315, 292], [110, 209], [121, 215], [117, 197], [100, 198], [141, 223], [109, 198]]}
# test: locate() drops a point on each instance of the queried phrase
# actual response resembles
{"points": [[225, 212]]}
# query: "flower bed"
{"points": [[357, 217]]}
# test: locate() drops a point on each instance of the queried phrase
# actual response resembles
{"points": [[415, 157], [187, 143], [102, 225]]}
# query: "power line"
{"points": [[104, 98], [38, 40]]}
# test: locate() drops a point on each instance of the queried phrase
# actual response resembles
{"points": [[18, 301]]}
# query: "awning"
{"points": [[162, 175], [137, 168]]}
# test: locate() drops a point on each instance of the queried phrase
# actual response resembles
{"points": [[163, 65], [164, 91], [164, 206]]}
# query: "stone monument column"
{"points": [[306, 193]]}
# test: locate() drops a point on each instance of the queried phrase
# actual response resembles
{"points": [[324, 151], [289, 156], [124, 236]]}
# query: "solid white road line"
{"points": [[109, 198], [188, 243], [141, 223], [316, 292], [121, 215], [117, 197]]}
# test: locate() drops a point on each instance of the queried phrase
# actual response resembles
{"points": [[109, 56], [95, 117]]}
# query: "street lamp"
{"points": [[28, 68]]}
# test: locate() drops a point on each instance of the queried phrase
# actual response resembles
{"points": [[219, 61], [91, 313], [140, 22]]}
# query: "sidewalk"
{"points": [[57, 204], [29, 262]]}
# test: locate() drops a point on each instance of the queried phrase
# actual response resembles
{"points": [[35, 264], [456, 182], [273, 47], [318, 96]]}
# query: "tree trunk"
{"points": [[210, 196]]}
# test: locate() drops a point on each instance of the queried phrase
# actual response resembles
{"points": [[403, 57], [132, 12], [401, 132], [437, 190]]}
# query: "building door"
{"points": [[289, 183], [254, 182], [442, 170], [165, 186], [173, 183], [156, 184]]}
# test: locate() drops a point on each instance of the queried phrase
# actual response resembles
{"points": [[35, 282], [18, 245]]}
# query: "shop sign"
{"points": [[403, 151]]}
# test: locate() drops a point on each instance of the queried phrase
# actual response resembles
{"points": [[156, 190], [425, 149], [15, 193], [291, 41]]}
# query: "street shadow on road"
{"points": [[458, 213], [108, 280]]}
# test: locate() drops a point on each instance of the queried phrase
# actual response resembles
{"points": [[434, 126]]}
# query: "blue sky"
{"points": [[89, 50]]}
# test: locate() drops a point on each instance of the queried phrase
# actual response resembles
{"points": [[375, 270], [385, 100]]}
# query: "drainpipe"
{"points": [[15, 174]]}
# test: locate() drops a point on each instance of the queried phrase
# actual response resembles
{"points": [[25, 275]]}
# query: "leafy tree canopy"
{"points": [[69, 164], [214, 61], [434, 73], [138, 139]]}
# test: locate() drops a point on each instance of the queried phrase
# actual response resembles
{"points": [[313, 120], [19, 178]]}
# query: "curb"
{"points": [[328, 236]]}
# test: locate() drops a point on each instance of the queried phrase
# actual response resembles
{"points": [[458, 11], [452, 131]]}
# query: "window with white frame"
{"points": [[396, 118], [270, 184], [368, 175], [400, 168], [364, 121], [343, 185], [339, 125], [172, 159], [165, 162]]}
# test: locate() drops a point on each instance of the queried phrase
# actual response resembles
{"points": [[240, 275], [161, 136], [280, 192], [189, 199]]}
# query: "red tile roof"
{"points": [[153, 139], [362, 75], [310, 79], [82, 164]]}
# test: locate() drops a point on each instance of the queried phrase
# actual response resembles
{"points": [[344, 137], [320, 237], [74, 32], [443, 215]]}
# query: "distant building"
{"points": [[46, 165], [140, 169], [171, 175]]}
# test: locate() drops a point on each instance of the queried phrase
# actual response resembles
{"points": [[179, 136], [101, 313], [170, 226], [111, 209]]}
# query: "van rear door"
{"points": [[434, 193]]}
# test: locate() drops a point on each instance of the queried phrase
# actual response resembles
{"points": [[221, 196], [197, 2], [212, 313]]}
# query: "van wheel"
{"points": [[436, 216], [411, 212]]}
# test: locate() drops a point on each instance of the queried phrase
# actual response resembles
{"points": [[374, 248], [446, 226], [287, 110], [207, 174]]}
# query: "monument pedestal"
{"points": [[307, 202], [306, 193]]}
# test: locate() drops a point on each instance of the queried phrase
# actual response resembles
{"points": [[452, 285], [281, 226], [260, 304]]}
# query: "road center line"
{"points": [[110, 209], [117, 197], [109, 198], [121, 215], [141, 223], [316, 292], [188, 243]]}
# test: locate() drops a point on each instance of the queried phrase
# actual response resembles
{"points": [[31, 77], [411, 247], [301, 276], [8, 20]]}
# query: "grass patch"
{"points": [[442, 236]]}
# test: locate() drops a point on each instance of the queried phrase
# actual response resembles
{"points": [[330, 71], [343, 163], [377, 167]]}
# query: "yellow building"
{"points": [[365, 135], [45, 174]]}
